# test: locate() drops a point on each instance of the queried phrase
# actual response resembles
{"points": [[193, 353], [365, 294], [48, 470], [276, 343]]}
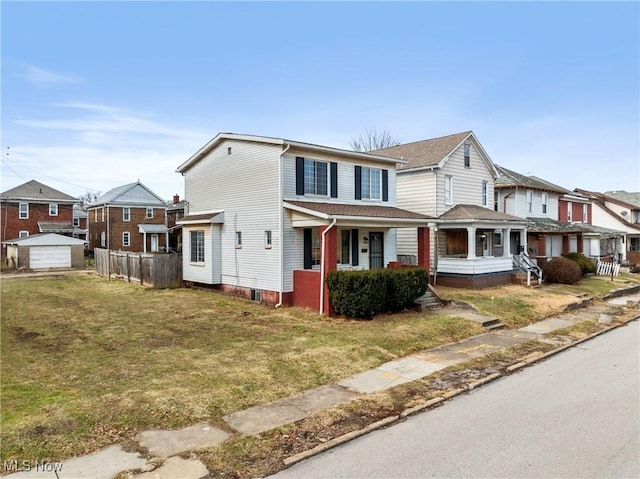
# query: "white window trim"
{"points": [[370, 171], [569, 212], [498, 243], [466, 155], [128, 210], [485, 193], [76, 222], [56, 209], [238, 239], [315, 178], [149, 216], [26, 217], [529, 201], [102, 213], [585, 213], [196, 262], [127, 243], [268, 239], [23, 234], [545, 203], [448, 190]]}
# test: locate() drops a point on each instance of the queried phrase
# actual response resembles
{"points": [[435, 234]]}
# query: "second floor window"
{"points": [[585, 213], [76, 222], [448, 190], [545, 200], [467, 156], [126, 214], [485, 187], [569, 212], [315, 177], [53, 209], [529, 201], [23, 211], [149, 213], [371, 189]]}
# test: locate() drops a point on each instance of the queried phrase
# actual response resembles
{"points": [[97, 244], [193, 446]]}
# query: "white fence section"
{"points": [[607, 269]]}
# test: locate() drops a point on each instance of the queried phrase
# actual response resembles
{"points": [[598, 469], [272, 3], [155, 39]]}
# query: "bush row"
{"points": [[362, 294]]}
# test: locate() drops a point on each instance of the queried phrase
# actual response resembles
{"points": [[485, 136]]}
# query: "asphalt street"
{"points": [[577, 414]]}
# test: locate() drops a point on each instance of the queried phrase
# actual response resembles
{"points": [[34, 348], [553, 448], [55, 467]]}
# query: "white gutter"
{"points": [[324, 233], [281, 225]]}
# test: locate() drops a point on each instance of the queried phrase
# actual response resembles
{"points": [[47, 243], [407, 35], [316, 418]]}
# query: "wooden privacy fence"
{"points": [[607, 269], [157, 270]]}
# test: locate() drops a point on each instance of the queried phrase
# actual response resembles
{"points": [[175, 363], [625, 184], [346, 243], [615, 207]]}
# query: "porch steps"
{"points": [[430, 301]]}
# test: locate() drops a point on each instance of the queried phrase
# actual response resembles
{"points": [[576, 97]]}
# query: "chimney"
{"points": [[176, 199]]}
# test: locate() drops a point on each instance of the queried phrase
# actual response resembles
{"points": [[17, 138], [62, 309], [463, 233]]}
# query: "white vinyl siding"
{"points": [[416, 192], [516, 204], [247, 190], [207, 271]]}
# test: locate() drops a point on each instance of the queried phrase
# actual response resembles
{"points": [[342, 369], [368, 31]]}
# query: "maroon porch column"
{"points": [[424, 247], [566, 244], [330, 263], [580, 244]]}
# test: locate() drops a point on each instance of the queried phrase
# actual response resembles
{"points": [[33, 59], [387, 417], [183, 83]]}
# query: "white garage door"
{"points": [[41, 257]]}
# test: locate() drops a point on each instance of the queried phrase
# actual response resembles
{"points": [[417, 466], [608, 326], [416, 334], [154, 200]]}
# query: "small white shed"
{"points": [[45, 251]]}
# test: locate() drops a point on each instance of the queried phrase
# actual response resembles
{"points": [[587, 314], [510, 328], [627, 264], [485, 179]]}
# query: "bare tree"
{"points": [[373, 140], [89, 197]]}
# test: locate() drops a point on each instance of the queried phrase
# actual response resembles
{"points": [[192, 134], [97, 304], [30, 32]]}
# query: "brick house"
{"points": [[128, 218], [34, 208]]}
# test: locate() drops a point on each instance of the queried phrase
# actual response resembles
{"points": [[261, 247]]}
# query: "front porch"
{"points": [[346, 237]]}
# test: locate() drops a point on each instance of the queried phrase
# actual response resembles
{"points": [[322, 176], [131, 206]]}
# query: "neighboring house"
{"points": [[452, 178], [175, 212], [128, 218], [34, 208], [618, 210], [269, 218], [548, 207], [45, 251], [80, 226]]}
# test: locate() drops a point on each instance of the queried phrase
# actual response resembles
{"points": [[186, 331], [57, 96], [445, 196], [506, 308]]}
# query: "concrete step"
{"points": [[429, 301], [493, 325]]}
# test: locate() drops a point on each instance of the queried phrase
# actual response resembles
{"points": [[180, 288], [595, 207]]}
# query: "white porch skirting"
{"points": [[475, 265]]}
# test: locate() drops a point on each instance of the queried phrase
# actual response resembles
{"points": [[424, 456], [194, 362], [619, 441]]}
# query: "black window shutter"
{"points": [[358, 182], [385, 185], [299, 176], [334, 179], [307, 249], [355, 247]]}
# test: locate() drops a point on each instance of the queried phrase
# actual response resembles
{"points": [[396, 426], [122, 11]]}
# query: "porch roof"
{"points": [[478, 214], [54, 227], [152, 228], [216, 216], [390, 215], [548, 225]]}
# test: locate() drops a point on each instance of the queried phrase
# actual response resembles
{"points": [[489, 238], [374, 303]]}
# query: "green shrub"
{"points": [[562, 270], [586, 265], [362, 294]]}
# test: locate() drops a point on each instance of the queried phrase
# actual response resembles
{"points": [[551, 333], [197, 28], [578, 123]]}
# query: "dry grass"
{"points": [[87, 362]]}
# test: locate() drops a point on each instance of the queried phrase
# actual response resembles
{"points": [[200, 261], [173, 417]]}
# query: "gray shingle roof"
{"points": [[130, 194], [547, 225], [627, 197], [509, 179], [370, 211], [477, 213], [34, 190], [54, 227], [424, 153]]}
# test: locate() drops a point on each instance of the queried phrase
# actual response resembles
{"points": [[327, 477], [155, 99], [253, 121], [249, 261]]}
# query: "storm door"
{"points": [[376, 250]]}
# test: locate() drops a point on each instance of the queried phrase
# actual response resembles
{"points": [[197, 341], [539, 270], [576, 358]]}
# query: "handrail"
{"points": [[524, 263]]}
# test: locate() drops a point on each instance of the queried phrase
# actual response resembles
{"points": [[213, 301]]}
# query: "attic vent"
{"points": [[256, 295]]}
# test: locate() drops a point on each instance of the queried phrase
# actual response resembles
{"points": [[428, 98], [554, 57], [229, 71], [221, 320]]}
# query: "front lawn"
{"points": [[88, 362]]}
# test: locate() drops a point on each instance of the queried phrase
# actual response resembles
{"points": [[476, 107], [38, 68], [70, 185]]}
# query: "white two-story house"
{"points": [[268, 218], [452, 178]]}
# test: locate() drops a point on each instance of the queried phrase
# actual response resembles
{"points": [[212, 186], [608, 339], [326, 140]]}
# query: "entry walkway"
{"points": [[168, 444]]}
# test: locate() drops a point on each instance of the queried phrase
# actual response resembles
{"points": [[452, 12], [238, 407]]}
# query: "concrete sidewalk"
{"points": [[167, 444]]}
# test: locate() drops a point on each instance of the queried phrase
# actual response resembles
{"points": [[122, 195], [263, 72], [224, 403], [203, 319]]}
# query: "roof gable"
{"points": [[130, 194], [511, 179], [34, 190]]}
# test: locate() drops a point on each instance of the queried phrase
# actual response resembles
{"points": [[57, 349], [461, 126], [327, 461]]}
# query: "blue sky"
{"points": [[99, 94]]}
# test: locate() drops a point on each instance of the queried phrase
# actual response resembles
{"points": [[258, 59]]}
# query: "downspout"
{"points": [[324, 233], [281, 225], [108, 245]]}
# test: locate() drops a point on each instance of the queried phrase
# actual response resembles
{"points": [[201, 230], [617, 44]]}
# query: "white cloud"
{"points": [[40, 76]]}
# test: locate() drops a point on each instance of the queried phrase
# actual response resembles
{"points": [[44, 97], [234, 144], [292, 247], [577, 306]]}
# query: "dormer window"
{"points": [[467, 155]]}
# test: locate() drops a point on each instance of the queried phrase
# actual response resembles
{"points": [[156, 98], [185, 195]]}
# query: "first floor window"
{"points": [[371, 189], [634, 244], [103, 239], [126, 214], [344, 250], [126, 239], [24, 234], [197, 246], [448, 190], [24, 211], [53, 209], [485, 187], [497, 238]]}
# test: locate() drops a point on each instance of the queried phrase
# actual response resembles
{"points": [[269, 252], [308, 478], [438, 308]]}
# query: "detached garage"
{"points": [[45, 251]]}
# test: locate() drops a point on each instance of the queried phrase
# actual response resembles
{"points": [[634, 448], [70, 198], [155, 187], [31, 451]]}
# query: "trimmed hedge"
{"points": [[362, 294], [586, 265], [561, 270]]}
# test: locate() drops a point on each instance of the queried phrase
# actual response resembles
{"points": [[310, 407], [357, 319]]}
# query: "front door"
{"points": [[376, 250], [154, 242]]}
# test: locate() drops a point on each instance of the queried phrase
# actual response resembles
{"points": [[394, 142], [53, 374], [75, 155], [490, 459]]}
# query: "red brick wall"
{"points": [[12, 224], [306, 289], [117, 226], [424, 248]]}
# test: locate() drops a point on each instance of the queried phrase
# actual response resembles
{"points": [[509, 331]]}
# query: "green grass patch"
{"points": [[87, 362]]}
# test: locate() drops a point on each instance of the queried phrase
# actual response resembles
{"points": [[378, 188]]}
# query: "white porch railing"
{"points": [[607, 269], [525, 264], [479, 265]]}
